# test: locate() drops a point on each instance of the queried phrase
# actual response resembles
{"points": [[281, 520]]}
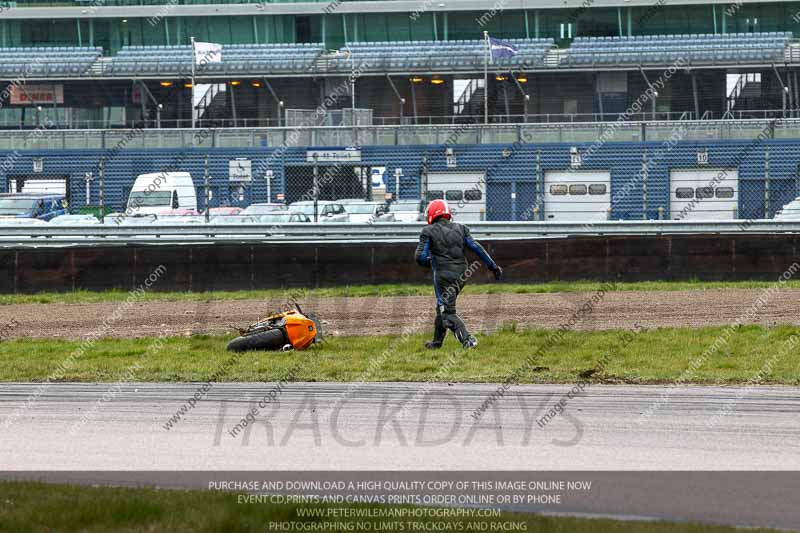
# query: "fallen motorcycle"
{"points": [[286, 330]]}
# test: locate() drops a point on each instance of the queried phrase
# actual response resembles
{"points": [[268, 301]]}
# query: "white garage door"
{"points": [[577, 196], [704, 194], [465, 193], [37, 186]]}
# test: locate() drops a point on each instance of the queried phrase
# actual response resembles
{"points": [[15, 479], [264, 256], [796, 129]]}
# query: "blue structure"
{"points": [[767, 170]]}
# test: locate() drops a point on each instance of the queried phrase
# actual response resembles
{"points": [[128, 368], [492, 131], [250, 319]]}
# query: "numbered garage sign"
{"points": [[241, 170]]}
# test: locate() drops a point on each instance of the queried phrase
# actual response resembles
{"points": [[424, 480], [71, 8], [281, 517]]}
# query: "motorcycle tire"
{"points": [[272, 339]]}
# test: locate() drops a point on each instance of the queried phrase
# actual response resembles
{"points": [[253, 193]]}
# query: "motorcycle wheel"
{"points": [[272, 339]]}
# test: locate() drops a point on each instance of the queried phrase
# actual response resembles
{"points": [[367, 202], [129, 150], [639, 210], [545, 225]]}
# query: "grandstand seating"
{"points": [[662, 49], [47, 61], [236, 59], [436, 55], [402, 56]]}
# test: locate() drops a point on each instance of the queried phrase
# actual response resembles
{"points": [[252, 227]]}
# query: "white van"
{"points": [[163, 191]]}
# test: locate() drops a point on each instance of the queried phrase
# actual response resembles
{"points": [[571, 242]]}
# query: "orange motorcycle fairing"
{"points": [[300, 330]]}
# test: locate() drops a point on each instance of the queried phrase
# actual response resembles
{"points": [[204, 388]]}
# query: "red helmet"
{"points": [[436, 209]]}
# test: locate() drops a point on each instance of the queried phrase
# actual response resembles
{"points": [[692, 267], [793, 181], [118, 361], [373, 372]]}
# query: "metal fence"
{"points": [[496, 173], [11, 120], [737, 180], [733, 128]]}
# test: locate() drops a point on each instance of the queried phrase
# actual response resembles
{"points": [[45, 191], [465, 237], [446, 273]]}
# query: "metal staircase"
{"points": [[747, 87], [214, 103], [470, 102]]}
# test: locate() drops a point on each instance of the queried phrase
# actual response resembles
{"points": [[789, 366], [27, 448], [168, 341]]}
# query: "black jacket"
{"points": [[442, 245]]}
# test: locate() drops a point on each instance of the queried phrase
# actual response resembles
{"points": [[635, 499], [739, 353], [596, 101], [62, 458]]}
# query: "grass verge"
{"points": [[34, 507], [650, 356], [84, 297]]}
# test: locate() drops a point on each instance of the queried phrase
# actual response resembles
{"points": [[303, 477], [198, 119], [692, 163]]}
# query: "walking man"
{"points": [[442, 246]]}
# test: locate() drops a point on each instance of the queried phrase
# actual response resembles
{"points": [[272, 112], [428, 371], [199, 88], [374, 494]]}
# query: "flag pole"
{"points": [[485, 77], [191, 106]]}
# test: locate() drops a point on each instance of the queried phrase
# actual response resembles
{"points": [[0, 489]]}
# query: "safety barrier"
{"points": [[13, 236]]}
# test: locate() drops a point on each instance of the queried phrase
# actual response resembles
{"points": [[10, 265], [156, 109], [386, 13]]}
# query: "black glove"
{"points": [[498, 273]]}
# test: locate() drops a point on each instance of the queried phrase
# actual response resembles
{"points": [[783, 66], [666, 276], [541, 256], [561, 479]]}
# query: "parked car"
{"points": [[120, 219], [348, 201], [282, 218], [408, 210], [364, 212], [235, 219], [182, 219], [78, 220], [224, 211], [23, 221], [327, 211], [261, 209], [42, 206], [177, 213], [790, 211]]}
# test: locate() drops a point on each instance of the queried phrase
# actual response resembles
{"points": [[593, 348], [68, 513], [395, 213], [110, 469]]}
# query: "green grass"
{"points": [[653, 356], [385, 290], [37, 507]]}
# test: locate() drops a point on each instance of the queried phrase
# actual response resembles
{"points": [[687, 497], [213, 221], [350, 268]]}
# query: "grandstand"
{"points": [[416, 62], [402, 84]]}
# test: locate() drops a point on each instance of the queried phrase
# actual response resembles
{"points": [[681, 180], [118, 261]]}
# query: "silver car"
{"points": [[327, 211]]}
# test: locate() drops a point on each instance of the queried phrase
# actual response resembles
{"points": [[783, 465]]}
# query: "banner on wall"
{"points": [[32, 94]]}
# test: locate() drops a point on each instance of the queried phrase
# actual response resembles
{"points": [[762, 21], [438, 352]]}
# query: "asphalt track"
{"points": [[405, 427]]}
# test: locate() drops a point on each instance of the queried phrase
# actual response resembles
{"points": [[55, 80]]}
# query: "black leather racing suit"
{"points": [[442, 247]]}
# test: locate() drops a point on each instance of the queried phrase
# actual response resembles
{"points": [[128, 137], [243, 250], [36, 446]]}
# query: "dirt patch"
{"points": [[394, 315]]}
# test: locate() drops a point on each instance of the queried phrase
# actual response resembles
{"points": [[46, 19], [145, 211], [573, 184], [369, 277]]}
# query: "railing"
{"points": [[611, 57], [397, 135], [554, 119], [111, 235]]}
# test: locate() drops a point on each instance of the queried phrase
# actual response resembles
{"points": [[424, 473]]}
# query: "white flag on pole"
{"points": [[205, 53]]}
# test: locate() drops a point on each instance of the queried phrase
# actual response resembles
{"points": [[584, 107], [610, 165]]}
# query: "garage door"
{"points": [[577, 196], [703, 194], [465, 192], [37, 185]]}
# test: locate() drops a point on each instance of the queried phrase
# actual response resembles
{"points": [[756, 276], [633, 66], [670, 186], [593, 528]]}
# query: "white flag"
{"points": [[205, 53]]}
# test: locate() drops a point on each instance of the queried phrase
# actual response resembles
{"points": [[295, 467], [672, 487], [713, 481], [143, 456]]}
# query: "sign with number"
{"points": [[333, 156], [702, 157]]}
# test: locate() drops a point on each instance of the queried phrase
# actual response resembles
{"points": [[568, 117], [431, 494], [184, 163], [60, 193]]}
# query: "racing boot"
{"points": [[439, 333], [465, 338]]}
